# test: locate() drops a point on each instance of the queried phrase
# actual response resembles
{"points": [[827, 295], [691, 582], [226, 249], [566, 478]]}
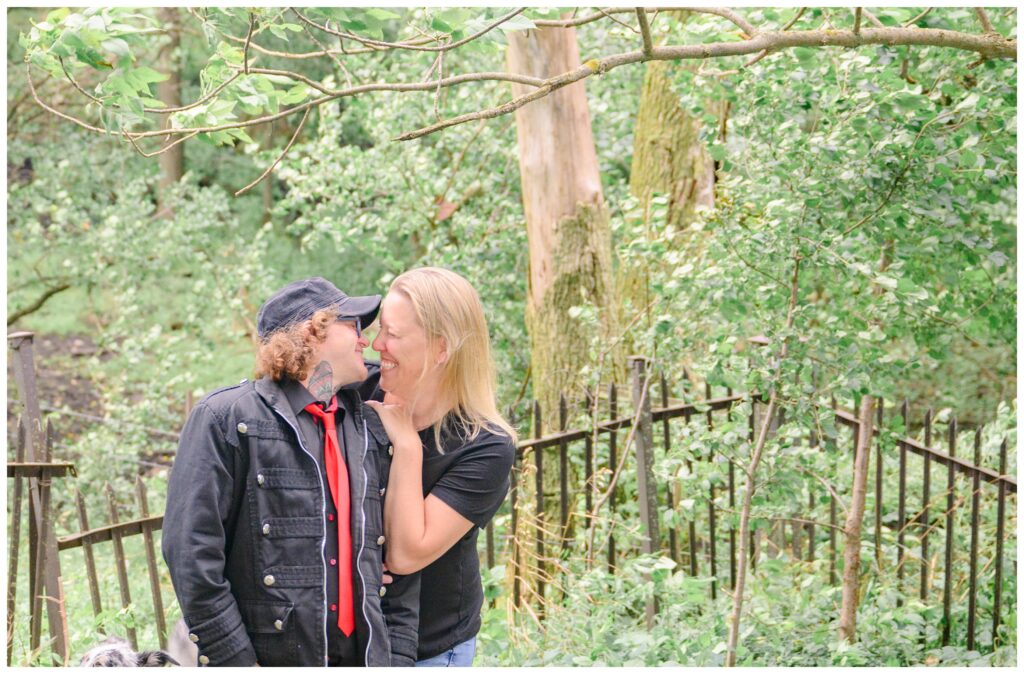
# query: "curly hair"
{"points": [[288, 353]]}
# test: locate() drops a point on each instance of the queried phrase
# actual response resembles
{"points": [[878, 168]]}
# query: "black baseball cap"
{"points": [[299, 300]]}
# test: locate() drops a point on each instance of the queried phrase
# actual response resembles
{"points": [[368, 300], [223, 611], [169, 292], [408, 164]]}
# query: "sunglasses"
{"points": [[356, 322]]}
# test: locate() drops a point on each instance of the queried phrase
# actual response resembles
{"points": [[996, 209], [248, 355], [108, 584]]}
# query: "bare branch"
{"points": [[856, 20], [645, 31], [918, 17], [872, 18], [44, 106], [760, 55], [437, 92], [621, 23], [248, 41], [333, 57], [986, 25], [38, 304], [277, 161], [295, 76], [74, 83], [199, 102], [729, 14], [161, 150], [411, 45], [794, 20]]}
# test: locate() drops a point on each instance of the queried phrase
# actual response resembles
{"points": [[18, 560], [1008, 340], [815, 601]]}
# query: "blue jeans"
{"points": [[460, 655]]}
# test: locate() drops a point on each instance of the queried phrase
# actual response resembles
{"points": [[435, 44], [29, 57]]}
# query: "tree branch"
{"points": [[645, 31], [918, 17], [44, 106], [38, 304], [906, 166], [760, 44], [411, 45], [986, 25], [751, 485], [793, 20], [856, 20], [340, 93], [766, 41], [725, 13], [277, 161], [248, 41], [162, 111], [161, 150], [872, 18]]}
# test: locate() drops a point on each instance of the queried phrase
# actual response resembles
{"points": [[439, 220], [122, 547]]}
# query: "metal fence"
{"points": [[702, 546]]}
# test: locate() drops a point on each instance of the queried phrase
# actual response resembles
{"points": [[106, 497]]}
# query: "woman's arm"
{"points": [[418, 529]]}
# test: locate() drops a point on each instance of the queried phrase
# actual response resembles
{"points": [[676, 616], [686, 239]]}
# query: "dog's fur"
{"points": [[116, 652]]}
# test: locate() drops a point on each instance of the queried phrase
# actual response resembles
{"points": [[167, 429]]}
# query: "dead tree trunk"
{"points": [[854, 522], [567, 221]]}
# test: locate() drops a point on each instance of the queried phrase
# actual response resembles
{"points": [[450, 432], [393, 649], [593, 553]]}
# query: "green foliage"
{"points": [[889, 171]]}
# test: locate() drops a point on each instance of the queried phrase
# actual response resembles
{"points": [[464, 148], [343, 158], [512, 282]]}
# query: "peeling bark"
{"points": [[567, 221]]}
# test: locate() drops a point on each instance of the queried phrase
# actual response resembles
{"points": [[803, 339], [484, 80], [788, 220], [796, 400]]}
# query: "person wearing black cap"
{"points": [[273, 530]]}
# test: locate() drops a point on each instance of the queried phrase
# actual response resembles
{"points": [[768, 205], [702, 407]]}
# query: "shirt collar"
{"points": [[298, 396]]}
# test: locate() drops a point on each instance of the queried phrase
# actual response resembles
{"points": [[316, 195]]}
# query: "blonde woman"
{"points": [[452, 451]]}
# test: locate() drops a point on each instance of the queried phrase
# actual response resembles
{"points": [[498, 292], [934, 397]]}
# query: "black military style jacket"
{"points": [[244, 534]]}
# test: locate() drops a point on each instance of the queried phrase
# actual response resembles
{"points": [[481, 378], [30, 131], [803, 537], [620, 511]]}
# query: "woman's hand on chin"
{"points": [[397, 420]]}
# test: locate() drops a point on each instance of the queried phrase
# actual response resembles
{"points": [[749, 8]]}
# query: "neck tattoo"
{"points": [[321, 382]]}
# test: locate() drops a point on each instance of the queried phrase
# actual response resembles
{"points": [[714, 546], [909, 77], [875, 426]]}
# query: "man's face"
{"points": [[342, 351]]}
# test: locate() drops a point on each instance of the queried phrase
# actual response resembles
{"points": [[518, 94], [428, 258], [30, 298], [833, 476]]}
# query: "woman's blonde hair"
{"points": [[448, 308]]}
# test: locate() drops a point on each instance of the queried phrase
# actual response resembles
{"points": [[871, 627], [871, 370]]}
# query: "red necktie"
{"points": [[337, 477]]}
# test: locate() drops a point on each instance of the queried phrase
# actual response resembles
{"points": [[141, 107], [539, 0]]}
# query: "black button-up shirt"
{"points": [[342, 651]]}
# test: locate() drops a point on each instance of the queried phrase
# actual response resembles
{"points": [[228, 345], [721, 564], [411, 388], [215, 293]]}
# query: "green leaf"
{"points": [[717, 152], [117, 46], [296, 94], [517, 22], [148, 75], [383, 14], [57, 15], [886, 281]]}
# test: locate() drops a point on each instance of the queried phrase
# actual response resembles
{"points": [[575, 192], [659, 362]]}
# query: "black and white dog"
{"points": [[116, 652]]}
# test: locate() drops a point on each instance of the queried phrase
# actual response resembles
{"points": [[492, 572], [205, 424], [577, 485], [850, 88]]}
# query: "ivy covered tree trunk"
{"points": [[668, 155], [670, 159], [172, 162], [567, 223]]}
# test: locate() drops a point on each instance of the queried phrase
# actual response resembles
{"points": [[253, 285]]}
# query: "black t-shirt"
{"points": [[472, 477]]}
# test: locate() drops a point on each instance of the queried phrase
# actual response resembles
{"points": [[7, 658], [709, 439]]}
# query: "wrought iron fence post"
{"points": [[646, 487]]}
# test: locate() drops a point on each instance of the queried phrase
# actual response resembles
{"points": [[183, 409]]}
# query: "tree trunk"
{"points": [[668, 155], [669, 159], [172, 162], [854, 522], [567, 222]]}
